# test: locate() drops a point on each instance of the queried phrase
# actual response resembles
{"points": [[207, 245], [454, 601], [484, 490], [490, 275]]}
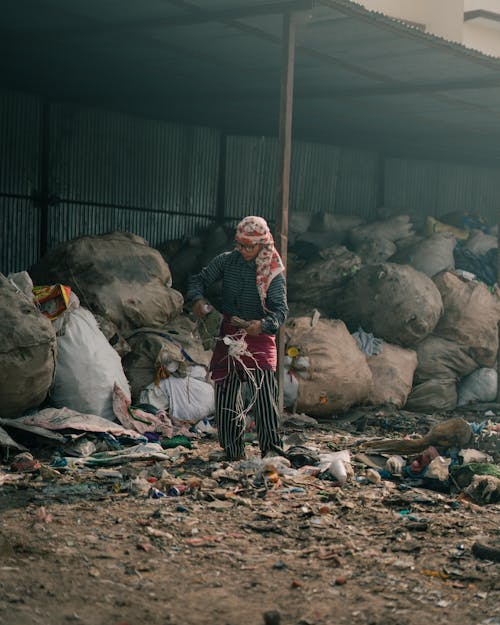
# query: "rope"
{"points": [[237, 349]]}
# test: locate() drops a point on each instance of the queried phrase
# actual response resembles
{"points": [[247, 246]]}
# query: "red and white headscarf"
{"points": [[254, 230]]}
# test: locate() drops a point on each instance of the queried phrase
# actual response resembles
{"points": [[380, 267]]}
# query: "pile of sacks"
{"points": [[401, 322], [103, 298], [437, 344], [328, 370], [404, 281], [436, 323]]}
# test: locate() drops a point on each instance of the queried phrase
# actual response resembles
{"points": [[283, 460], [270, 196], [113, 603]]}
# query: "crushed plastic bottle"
{"points": [[155, 493], [177, 491]]}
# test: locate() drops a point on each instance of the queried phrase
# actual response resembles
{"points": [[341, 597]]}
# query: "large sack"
{"points": [[186, 332], [391, 229], [392, 370], [430, 255], [175, 347], [471, 316], [195, 252], [413, 239], [27, 352], [185, 262], [316, 283], [216, 240], [394, 302], [337, 375], [111, 332], [87, 367], [298, 223], [480, 243], [431, 395], [115, 275], [320, 240], [414, 215], [442, 359], [479, 386], [186, 399], [337, 226], [375, 250], [484, 268]]}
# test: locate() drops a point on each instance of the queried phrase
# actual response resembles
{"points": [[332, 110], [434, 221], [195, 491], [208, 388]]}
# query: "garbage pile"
{"points": [[100, 343], [449, 460], [381, 314], [425, 291], [413, 290]]}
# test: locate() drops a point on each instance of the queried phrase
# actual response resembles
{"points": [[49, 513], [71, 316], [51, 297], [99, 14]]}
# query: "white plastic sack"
{"points": [[480, 243], [155, 396], [479, 386], [191, 399], [185, 399], [87, 367], [392, 229]]}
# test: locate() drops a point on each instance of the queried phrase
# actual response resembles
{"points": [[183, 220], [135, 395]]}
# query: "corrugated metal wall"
{"points": [[433, 188], [250, 177], [20, 117], [358, 185], [109, 171], [314, 177], [347, 181], [115, 172], [323, 178], [106, 171]]}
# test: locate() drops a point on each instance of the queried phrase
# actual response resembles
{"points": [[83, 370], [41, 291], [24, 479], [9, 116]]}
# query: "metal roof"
{"points": [[361, 79]]}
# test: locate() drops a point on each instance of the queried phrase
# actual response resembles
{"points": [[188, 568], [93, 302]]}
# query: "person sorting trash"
{"points": [[254, 306]]}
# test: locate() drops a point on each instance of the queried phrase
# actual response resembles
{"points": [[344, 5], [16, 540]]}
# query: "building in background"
{"points": [[473, 23]]}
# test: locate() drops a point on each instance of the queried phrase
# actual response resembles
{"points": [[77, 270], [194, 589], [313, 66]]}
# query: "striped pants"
{"points": [[230, 415]]}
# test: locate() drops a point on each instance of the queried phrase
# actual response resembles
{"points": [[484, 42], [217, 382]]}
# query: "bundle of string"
{"points": [[237, 348]]}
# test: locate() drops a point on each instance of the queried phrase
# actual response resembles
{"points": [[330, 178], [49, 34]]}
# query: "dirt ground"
{"points": [[93, 546]]}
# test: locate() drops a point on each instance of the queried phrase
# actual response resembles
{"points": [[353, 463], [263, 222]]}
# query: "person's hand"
{"points": [[254, 327], [199, 309]]}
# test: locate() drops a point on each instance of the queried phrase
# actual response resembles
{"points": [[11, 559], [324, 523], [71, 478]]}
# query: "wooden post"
{"points": [[498, 284], [284, 159], [498, 361]]}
